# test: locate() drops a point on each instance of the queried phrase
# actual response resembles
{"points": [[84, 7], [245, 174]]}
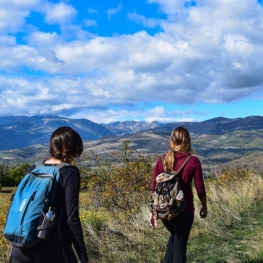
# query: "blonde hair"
{"points": [[180, 141]]}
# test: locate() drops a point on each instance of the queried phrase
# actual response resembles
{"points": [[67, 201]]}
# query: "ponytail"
{"points": [[168, 162]]}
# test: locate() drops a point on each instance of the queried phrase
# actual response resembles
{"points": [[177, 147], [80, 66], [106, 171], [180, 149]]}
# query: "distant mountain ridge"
{"points": [[17, 132], [127, 127], [216, 141], [217, 125], [22, 131]]}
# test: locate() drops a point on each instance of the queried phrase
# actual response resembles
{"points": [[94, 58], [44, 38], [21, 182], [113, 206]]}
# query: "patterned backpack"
{"points": [[168, 199]]}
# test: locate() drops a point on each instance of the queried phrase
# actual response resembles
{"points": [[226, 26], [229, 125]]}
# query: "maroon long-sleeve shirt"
{"points": [[192, 170]]}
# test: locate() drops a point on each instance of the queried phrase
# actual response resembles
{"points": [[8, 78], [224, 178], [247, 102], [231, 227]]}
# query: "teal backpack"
{"points": [[31, 204]]}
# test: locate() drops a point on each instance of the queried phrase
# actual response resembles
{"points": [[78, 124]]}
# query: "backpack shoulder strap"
{"points": [[59, 166], [181, 167], [39, 163], [184, 163]]}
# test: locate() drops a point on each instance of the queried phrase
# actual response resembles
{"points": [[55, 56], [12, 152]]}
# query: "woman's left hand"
{"points": [[203, 212]]}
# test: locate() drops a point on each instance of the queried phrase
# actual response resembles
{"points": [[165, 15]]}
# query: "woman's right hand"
{"points": [[153, 221]]}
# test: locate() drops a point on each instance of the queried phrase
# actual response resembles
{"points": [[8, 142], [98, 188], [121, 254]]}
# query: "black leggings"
{"points": [[46, 252], [179, 228]]}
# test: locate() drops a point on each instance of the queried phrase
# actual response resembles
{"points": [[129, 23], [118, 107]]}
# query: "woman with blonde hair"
{"points": [[180, 225]]}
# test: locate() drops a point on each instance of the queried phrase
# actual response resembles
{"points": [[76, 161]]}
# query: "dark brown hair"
{"points": [[180, 141], [65, 143]]}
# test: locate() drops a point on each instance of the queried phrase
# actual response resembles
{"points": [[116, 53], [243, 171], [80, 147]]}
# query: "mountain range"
{"points": [[23, 131], [216, 141]]}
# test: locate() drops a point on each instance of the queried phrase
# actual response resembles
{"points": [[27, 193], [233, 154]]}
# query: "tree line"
{"points": [[11, 176]]}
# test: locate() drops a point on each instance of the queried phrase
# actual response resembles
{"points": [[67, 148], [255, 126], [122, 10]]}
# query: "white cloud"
{"points": [[170, 6], [90, 10], [156, 114], [20, 3], [59, 13], [14, 12], [8, 40], [146, 22], [90, 22], [114, 11], [7, 21], [210, 53]]}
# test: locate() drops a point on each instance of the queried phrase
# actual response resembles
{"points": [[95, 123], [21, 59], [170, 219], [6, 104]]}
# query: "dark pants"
{"points": [[179, 228], [46, 252]]}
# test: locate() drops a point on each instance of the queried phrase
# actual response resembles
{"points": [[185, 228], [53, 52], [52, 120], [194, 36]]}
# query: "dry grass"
{"points": [[234, 201], [228, 200], [4, 245], [229, 231]]}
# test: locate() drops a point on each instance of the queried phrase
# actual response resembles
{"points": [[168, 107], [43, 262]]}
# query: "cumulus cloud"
{"points": [[114, 11], [207, 53], [13, 14], [100, 115], [146, 22], [59, 13], [90, 22], [90, 10]]}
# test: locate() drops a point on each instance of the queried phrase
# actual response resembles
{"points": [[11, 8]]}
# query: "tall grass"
{"points": [[234, 223], [231, 232], [4, 245], [230, 201]]}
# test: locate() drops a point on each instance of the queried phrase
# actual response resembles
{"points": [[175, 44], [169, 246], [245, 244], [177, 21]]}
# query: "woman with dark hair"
{"points": [[65, 146], [180, 225]]}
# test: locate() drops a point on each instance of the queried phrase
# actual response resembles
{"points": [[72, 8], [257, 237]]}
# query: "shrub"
{"points": [[122, 186]]}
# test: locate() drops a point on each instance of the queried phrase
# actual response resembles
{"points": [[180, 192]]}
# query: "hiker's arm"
{"points": [[200, 188], [72, 187]]}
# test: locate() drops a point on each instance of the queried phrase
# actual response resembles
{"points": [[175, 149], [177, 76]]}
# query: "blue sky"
{"points": [[106, 61]]}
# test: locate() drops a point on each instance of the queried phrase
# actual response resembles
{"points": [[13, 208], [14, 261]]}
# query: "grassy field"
{"points": [[5, 194], [232, 232], [2, 199]]}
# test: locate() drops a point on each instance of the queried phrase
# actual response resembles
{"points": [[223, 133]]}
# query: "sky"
{"points": [[147, 60]]}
